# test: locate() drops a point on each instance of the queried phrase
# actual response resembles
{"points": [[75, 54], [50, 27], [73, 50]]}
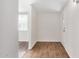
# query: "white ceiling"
{"points": [[49, 5]]}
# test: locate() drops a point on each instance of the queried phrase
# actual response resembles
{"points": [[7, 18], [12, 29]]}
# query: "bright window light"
{"points": [[23, 14], [23, 22]]}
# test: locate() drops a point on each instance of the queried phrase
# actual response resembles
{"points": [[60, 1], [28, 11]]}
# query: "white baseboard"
{"points": [[48, 40], [66, 50], [32, 45], [23, 40]]}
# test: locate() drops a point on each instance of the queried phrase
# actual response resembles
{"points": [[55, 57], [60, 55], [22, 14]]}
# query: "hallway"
{"points": [[46, 50], [52, 28]]}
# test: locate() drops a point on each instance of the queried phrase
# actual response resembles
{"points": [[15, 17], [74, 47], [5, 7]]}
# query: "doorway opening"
{"points": [[23, 28], [23, 33]]}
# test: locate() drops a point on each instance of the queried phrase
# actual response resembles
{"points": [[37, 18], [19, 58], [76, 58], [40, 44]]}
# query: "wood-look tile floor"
{"points": [[23, 46], [46, 50]]}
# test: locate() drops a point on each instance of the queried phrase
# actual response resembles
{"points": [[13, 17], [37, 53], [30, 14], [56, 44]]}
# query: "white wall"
{"points": [[1, 13], [49, 26], [8, 28], [50, 5], [32, 27], [23, 36], [24, 5], [71, 22]]}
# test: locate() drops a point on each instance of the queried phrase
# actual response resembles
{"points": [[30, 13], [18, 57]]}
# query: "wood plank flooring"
{"points": [[23, 46], [46, 50]]}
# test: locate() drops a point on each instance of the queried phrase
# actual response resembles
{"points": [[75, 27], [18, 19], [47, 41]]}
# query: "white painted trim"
{"points": [[29, 27], [66, 49], [32, 45], [48, 40], [23, 40]]}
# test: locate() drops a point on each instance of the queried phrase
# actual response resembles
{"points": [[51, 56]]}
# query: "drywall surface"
{"points": [[71, 22], [24, 5], [23, 36], [32, 27], [49, 27], [1, 13], [50, 5], [8, 28]]}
